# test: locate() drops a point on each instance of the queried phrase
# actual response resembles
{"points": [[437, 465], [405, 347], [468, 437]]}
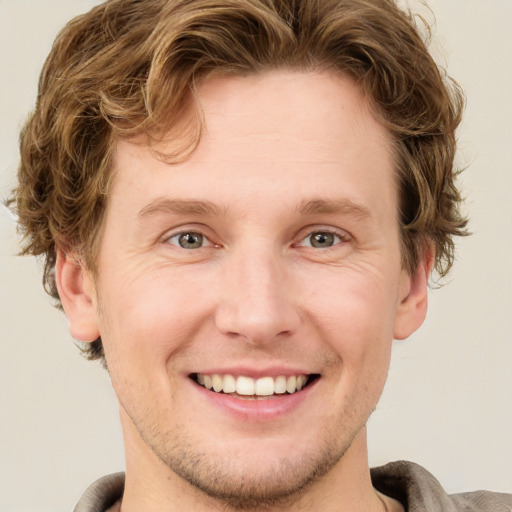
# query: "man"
{"points": [[240, 204]]}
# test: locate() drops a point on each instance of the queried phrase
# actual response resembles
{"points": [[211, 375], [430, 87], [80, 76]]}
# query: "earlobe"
{"points": [[77, 295], [412, 308]]}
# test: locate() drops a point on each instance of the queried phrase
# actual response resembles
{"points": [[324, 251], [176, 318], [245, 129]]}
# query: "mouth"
{"points": [[248, 388]]}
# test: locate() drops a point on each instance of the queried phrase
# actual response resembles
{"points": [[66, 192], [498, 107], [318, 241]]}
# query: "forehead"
{"points": [[281, 132], [281, 108]]}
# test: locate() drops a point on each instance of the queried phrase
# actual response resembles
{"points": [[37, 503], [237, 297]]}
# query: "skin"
{"points": [[284, 156]]}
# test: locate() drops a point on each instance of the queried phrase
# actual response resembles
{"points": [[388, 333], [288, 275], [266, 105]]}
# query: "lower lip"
{"points": [[260, 410]]}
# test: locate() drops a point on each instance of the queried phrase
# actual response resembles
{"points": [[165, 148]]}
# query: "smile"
{"points": [[248, 388]]}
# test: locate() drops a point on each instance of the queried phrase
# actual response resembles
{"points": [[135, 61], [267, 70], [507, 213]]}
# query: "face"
{"points": [[268, 266]]}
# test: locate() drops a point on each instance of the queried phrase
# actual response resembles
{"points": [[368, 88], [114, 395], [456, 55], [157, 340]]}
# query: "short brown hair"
{"points": [[127, 68]]}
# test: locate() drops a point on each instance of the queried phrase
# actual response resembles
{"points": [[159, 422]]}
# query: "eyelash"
{"points": [[189, 232], [339, 237]]}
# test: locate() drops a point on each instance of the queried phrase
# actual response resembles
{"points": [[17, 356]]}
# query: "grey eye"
{"points": [[322, 240], [189, 240]]}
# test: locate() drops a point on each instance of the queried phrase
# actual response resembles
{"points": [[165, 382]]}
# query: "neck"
{"points": [[153, 487]]}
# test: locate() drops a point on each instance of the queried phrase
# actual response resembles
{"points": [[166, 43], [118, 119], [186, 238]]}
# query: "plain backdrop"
{"points": [[448, 403]]}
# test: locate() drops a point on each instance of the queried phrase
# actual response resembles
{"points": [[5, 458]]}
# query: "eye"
{"points": [[321, 240], [189, 240]]}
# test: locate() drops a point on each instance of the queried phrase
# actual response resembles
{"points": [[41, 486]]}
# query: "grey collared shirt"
{"points": [[410, 484]]}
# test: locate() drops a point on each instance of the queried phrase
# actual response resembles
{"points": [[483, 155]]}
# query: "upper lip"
{"points": [[255, 373]]}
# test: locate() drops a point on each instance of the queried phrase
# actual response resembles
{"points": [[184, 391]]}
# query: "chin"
{"points": [[256, 479]]}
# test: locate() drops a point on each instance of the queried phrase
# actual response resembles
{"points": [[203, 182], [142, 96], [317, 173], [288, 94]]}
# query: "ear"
{"points": [[77, 295], [412, 308]]}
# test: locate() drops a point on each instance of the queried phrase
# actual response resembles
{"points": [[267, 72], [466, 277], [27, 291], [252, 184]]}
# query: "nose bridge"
{"points": [[256, 301]]}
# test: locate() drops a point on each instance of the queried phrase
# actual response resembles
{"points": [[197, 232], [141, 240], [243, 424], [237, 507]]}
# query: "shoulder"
{"points": [[484, 501], [102, 495], [420, 491]]}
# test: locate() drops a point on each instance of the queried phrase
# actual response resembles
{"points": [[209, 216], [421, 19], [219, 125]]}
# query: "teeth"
{"points": [[264, 386], [247, 386], [217, 382], [229, 384], [280, 385], [291, 384]]}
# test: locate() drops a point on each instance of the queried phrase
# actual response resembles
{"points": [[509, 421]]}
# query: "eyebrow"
{"points": [[179, 207], [197, 207], [338, 207]]}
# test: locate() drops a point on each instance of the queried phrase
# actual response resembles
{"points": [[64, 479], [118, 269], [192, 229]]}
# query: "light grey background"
{"points": [[448, 401]]}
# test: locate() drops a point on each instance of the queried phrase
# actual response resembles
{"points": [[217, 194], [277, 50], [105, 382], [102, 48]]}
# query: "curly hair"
{"points": [[128, 67]]}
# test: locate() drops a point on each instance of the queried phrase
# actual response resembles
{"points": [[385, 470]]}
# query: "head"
{"points": [[148, 81], [129, 68]]}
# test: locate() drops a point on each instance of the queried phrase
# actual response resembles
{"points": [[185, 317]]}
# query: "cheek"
{"points": [[355, 314], [352, 302], [147, 320]]}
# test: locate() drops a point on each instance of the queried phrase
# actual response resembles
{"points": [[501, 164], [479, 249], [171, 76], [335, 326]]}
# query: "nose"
{"points": [[257, 302]]}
